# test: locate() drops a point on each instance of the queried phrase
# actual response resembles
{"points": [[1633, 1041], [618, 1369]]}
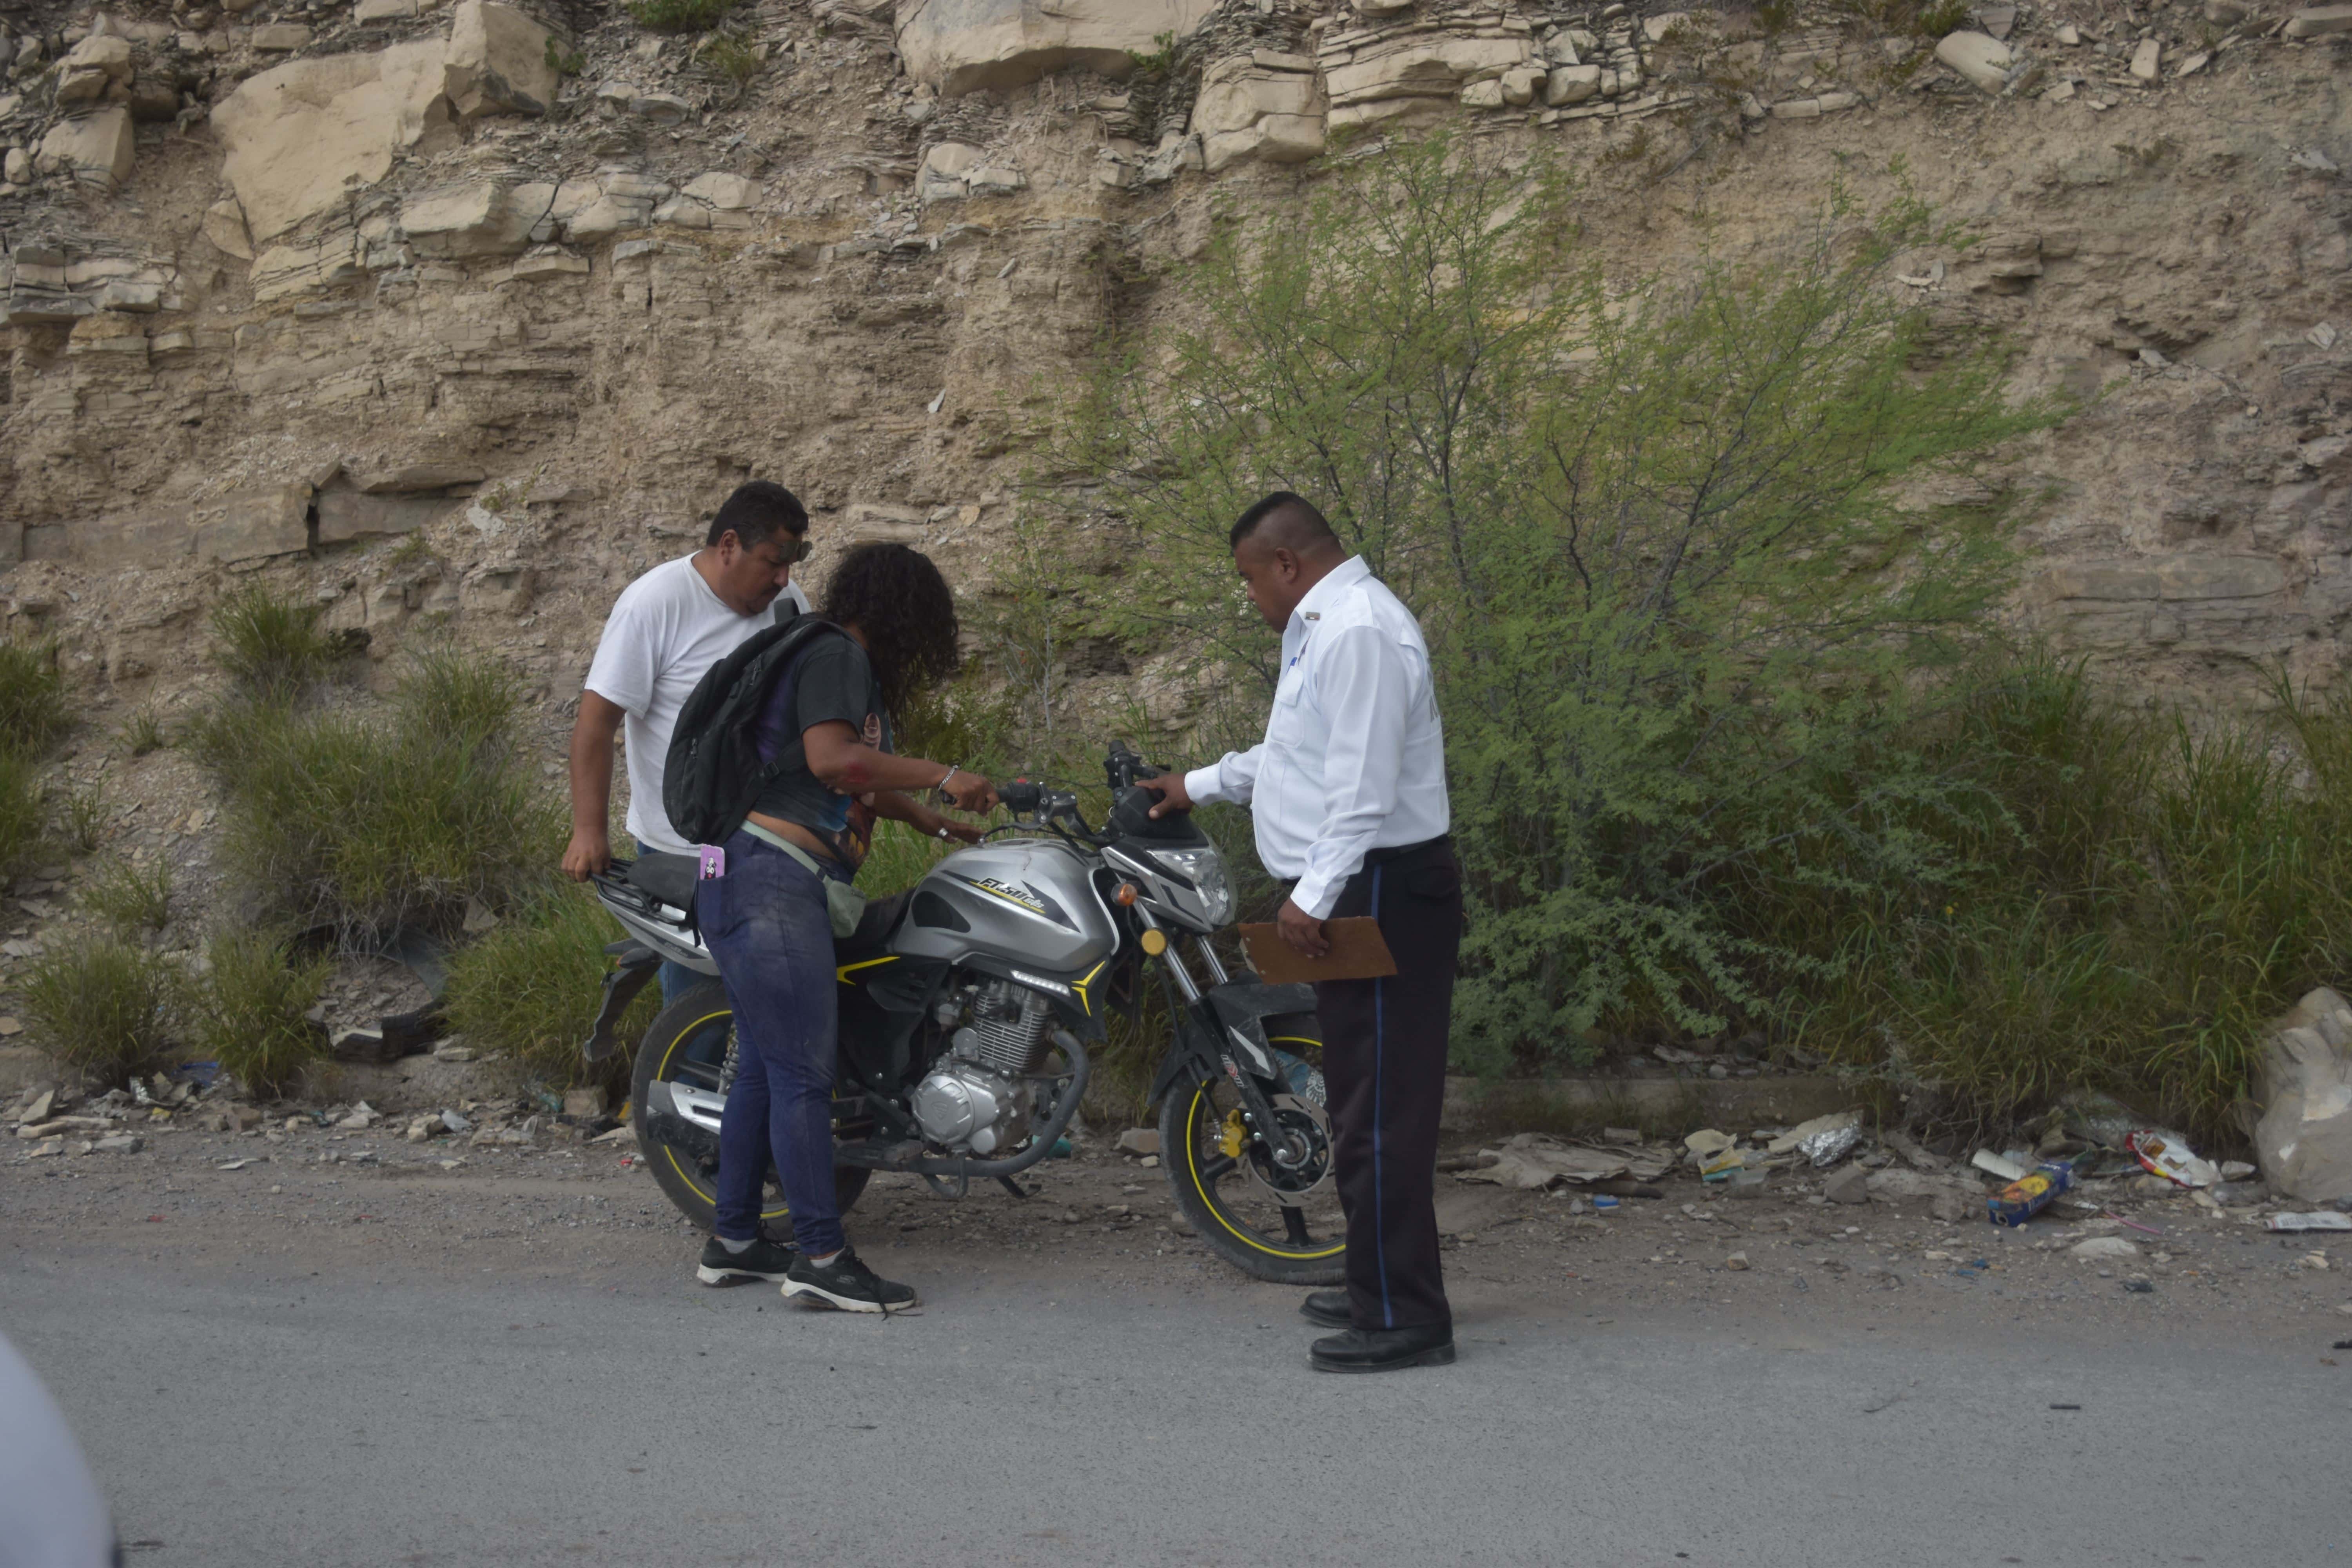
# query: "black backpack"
{"points": [[713, 772]]}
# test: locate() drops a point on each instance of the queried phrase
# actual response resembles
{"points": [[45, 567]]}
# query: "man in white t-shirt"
{"points": [[665, 630]]}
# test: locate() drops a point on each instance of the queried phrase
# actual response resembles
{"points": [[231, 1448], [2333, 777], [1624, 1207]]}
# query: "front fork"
{"points": [[1187, 1059]]}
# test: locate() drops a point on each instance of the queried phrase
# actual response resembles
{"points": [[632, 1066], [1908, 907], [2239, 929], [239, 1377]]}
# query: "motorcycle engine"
{"points": [[974, 1100]]}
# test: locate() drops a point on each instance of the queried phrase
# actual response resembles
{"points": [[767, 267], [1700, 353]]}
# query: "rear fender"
{"points": [[634, 964]]}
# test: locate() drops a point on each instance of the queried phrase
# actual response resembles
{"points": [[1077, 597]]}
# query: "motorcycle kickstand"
{"points": [[1013, 1187], [962, 1185]]}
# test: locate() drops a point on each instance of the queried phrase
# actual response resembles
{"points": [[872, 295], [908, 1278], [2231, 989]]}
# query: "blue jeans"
{"points": [[765, 922], [676, 980]]}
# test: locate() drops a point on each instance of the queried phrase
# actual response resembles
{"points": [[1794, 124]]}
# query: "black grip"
{"points": [[1021, 796]]}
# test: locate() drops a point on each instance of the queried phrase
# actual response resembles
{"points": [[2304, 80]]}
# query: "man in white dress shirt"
{"points": [[1347, 796], [667, 629]]}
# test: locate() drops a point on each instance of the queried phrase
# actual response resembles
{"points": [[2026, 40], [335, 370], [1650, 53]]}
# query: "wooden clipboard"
{"points": [[1359, 952]]}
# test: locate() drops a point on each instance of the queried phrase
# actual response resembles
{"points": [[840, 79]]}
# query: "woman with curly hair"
{"points": [[825, 737]]}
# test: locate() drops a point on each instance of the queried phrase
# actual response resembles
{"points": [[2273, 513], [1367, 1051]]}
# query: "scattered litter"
{"points": [[2304, 1080], [1825, 1140], [1993, 1164], [2134, 1224], [1604, 1205], [233, 1166], [454, 1122], [2167, 1154], [1532, 1161], [2022, 1199], [2065, 1407], [2323, 1219]]}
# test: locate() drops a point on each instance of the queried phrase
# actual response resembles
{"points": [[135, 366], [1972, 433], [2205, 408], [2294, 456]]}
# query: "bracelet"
{"points": [[953, 769]]}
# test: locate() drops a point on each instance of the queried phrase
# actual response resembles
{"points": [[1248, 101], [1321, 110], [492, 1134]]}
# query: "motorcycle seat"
{"points": [[874, 929], [669, 877]]}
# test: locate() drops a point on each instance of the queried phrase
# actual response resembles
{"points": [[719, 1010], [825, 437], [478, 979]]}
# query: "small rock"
{"points": [[2144, 59], [1850, 1185], [1737, 1262], [2312, 21], [2101, 1247], [587, 1104], [1981, 57], [1139, 1141], [280, 38], [424, 1127], [42, 1104], [9, 1026], [119, 1144], [45, 1148], [2069, 35]]}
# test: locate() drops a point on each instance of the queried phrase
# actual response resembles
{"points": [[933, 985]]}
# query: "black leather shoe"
{"points": [[1326, 1309], [1384, 1350]]}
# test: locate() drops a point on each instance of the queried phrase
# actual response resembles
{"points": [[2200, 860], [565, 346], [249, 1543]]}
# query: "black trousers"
{"points": [[1384, 1068]]}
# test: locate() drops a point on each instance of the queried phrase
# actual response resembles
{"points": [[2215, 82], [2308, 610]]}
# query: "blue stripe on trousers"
{"points": [[1379, 1225]]}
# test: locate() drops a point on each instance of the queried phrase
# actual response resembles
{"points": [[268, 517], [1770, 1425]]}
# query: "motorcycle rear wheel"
{"points": [[1227, 1207], [688, 1044]]}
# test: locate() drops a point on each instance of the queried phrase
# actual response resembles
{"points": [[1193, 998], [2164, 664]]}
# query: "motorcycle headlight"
{"points": [[1212, 892]]}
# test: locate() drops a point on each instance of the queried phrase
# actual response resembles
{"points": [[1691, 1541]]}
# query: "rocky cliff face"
{"points": [[457, 317]]}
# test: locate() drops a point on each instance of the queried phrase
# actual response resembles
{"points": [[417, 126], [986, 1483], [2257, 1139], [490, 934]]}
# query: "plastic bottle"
{"points": [[2021, 1200]]}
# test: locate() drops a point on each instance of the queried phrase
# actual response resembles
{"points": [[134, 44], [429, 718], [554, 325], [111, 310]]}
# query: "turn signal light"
{"points": [[1127, 895]]}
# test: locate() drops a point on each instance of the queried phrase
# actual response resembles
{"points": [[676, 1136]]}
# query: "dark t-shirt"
{"points": [[829, 681]]}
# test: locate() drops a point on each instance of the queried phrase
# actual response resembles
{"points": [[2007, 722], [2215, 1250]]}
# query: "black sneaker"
{"points": [[764, 1259], [845, 1283]]}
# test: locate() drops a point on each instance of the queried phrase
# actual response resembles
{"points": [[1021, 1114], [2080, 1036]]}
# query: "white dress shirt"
{"points": [[1354, 757]]}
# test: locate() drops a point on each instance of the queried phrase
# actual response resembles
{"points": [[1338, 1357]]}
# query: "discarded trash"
{"points": [[2134, 1224], [1706, 1143], [2100, 1118], [2304, 1080], [2167, 1154], [454, 1122], [2236, 1170], [1062, 1150], [1604, 1205], [2029, 1195], [233, 1166], [1794, 1139], [201, 1074], [2324, 1219], [1993, 1164], [1830, 1145], [2139, 1287], [2105, 1247], [2065, 1407]]}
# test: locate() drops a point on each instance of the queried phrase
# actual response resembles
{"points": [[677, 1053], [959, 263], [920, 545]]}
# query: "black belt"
{"points": [[1383, 856]]}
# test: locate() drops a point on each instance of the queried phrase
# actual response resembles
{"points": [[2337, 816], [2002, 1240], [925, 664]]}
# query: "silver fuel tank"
{"points": [[1028, 901]]}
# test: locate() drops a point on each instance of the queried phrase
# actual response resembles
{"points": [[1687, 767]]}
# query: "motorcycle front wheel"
{"points": [[687, 1045], [1270, 1223]]}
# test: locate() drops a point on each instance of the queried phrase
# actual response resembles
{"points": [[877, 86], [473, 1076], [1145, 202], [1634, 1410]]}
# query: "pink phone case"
{"points": [[714, 862]]}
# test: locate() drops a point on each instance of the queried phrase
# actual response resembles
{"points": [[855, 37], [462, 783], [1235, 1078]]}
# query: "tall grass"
{"points": [[31, 697], [270, 647], [2138, 895], [101, 1008], [368, 823], [530, 987], [24, 809], [129, 899], [247, 1010]]}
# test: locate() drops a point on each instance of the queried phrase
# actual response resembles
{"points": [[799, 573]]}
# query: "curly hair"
{"points": [[898, 598]]}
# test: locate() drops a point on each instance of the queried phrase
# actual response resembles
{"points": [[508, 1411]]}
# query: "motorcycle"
{"points": [[968, 1005]]}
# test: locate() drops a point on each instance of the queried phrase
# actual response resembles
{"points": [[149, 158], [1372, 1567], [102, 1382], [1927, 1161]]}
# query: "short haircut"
{"points": [[1290, 522], [756, 510]]}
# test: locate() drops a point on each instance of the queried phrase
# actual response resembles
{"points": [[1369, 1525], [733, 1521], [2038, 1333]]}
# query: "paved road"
{"points": [[241, 1419]]}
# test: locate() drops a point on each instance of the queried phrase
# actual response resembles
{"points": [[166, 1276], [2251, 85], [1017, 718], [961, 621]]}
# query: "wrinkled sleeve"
{"points": [[1232, 777], [1363, 690]]}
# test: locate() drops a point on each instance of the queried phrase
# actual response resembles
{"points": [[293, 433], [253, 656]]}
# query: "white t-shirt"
{"points": [[667, 629]]}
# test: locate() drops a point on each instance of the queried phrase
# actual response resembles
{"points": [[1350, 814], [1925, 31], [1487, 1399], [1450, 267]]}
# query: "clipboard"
{"points": [[1359, 952]]}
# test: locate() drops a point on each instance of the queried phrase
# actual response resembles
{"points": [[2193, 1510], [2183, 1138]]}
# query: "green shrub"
{"points": [[271, 647], [81, 818], [101, 1007], [247, 1010], [24, 810], [732, 60], [369, 822], [1679, 609], [32, 696], [679, 15], [131, 900], [144, 733], [530, 986]]}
